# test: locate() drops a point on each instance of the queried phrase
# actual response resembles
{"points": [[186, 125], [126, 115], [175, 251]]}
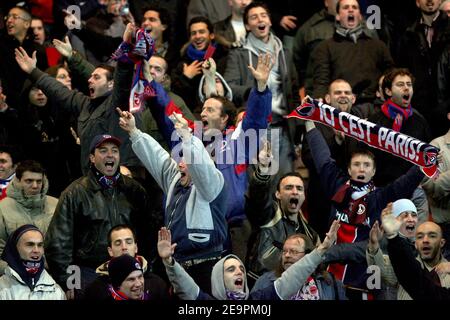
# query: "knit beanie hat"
{"points": [[402, 205], [120, 267]]}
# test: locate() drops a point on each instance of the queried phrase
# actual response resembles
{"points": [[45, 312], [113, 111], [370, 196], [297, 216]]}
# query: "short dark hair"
{"points": [[228, 108], [255, 4], [110, 70], [28, 165], [164, 16], [362, 152], [120, 227], [289, 174], [338, 5], [13, 151], [392, 74], [27, 13], [200, 19]]}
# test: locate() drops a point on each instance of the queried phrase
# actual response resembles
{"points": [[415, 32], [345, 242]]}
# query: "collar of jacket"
{"points": [[93, 185]]}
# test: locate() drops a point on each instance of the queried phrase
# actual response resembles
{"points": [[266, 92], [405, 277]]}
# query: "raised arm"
{"points": [[183, 284], [70, 100], [154, 157], [295, 276], [208, 180]]}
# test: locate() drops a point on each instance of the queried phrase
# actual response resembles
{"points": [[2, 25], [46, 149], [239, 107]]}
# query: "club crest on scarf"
{"points": [[142, 49], [401, 145]]}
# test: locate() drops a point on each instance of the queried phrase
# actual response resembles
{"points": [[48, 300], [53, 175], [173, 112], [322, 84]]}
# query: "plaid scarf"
{"points": [[394, 111]]}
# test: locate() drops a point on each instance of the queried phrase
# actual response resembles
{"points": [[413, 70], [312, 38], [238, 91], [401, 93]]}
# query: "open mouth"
{"points": [[109, 164], [262, 27], [351, 18], [360, 177], [410, 228], [239, 283], [91, 91], [293, 203], [406, 97], [426, 250]]}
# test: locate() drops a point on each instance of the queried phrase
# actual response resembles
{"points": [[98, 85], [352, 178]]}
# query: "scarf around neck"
{"points": [[351, 198], [199, 55], [352, 34], [119, 295], [397, 113], [105, 181]]}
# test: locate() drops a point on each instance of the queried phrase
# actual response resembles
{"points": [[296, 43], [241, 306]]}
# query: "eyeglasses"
{"points": [[15, 17], [292, 252]]}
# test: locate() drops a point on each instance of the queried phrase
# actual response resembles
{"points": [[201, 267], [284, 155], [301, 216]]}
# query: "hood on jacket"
{"points": [[217, 283], [228, 94], [12, 256], [103, 268], [14, 191]]}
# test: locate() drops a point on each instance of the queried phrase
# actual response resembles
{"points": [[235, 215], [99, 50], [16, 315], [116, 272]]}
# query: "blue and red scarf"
{"points": [[136, 53], [397, 113], [401, 145]]}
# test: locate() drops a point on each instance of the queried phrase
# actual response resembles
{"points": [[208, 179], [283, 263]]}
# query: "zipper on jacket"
{"points": [[169, 223]]}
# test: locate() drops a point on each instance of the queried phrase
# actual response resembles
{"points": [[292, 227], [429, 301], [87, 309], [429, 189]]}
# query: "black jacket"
{"points": [[85, 213], [415, 280]]}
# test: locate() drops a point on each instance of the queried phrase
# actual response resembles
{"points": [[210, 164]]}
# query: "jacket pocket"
{"points": [[199, 237]]}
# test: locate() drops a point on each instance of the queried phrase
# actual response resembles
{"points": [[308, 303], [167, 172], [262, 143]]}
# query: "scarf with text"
{"points": [[401, 145], [105, 181], [119, 295], [351, 199], [142, 49], [397, 113]]}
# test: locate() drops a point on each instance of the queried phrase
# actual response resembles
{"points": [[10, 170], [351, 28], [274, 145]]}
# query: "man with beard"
{"points": [[398, 114], [88, 209], [274, 220], [229, 277], [321, 285], [341, 97], [356, 202]]}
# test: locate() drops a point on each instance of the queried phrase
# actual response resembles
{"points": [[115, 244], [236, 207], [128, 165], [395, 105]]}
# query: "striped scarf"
{"points": [[397, 113]]}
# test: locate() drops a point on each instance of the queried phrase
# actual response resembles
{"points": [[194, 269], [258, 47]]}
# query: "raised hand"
{"points": [[390, 224], [265, 157], [129, 32], [262, 71], [209, 68], [126, 121], [165, 246], [375, 235], [330, 238], [26, 63], [181, 125], [64, 48], [147, 74], [192, 69]]}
